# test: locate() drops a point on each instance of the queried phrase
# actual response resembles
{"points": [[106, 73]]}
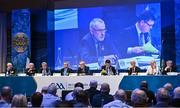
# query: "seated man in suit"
{"points": [[83, 69], [45, 70], [66, 70], [10, 71], [108, 69], [133, 69], [169, 67], [31, 70]]}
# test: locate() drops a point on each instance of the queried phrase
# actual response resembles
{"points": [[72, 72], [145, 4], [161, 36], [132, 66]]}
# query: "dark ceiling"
{"points": [[7, 5]]}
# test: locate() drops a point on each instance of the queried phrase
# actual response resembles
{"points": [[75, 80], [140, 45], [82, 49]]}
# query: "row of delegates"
{"points": [[45, 70]]}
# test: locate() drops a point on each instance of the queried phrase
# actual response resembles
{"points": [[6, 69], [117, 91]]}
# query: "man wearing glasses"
{"points": [[97, 45], [136, 37]]}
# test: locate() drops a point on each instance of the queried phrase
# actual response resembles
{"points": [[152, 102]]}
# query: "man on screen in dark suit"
{"points": [[136, 37], [65, 71], [97, 46]]}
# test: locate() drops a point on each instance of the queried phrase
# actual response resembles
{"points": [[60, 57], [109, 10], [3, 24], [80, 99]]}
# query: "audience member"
{"points": [[5, 97], [82, 99], [150, 94], [70, 96], [104, 97], [19, 100], [92, 90], [51, 99], [139, 98], [36, 99], [162, 97], [66, 70], [176, 99], [133, 69], [120, 98], [45, 70], [109, 69], [169, 88]]}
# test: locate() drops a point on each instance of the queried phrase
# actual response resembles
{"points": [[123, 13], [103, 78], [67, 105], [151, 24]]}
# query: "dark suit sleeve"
{"points": [[114, 70]]}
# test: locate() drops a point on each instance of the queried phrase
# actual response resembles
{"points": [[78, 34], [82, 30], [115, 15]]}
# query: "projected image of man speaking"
{"points": [[97, 45]]}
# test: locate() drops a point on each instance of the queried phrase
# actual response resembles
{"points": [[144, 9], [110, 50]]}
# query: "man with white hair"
{"points": [[120, 98], [51, 99], [97, 45], [10, 71], [31, 70]]}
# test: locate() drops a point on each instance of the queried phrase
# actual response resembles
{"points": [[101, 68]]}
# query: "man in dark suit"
{"points": [[92, 90], [31, 70], [97, 45], [108, 68], [169, 67], [45, 70], [65, 71], [83, 69], [104, 97], [137, 36], [133, 69], [10, 71]]}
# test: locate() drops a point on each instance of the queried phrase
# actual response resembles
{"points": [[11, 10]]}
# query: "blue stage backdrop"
{"points": [[72, 28], [20, 51]]}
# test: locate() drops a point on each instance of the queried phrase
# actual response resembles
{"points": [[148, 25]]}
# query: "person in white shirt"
{"points": [[153, 68]]}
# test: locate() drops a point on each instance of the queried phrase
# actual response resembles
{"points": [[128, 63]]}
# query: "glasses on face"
{"points": [[150, 25], [100, 30]]}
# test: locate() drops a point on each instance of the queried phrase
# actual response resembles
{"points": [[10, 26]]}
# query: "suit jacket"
{"points": [[11, 72], [83, 71], [31, 73], [48, 72], [173, 69], [137, 70], [91, 92], [129, 38], [91, 49], [111, 68], [101, 99], [69, 70]]}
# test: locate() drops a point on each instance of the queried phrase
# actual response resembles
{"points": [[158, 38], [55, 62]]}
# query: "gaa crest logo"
{"points": [[20, 42]]}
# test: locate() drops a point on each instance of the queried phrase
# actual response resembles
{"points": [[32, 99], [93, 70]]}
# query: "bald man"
{"points": [[120, 98], [6, 93], [176, 98]]}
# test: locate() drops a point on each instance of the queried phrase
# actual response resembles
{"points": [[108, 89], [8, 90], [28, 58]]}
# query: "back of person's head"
{"points": [[36, 99], [52, 89], [168, 86], [19, 100], [82, 97], [162, 95], [177, 93], [44, 90], [93, 84], [146, 16], [65, 104], [79, 84], [6, 93], [144, 85], [105, 88], [76, 91], [120, 95], [139, 98]]}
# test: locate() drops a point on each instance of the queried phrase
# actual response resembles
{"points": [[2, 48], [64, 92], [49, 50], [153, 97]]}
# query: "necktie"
{"points": [[141, 39]]}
